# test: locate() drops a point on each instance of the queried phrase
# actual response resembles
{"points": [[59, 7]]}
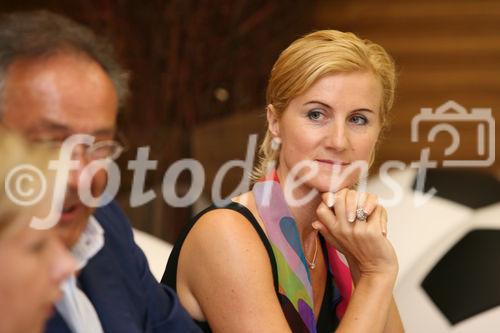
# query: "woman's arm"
{"points": [[394, 323], [369, 306], [225, 277]]}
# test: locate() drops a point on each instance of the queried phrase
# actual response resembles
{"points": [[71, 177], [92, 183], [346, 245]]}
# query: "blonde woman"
{"points": [[268, 261], [33, 263]]}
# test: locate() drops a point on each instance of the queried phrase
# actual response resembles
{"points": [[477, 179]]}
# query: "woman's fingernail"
{"points": [[351, 217], [330, 200]]}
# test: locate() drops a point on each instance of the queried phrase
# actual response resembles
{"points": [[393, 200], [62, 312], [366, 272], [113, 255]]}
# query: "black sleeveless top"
{"points": [[327, 321]]}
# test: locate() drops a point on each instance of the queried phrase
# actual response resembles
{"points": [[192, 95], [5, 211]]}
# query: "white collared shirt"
{"points": [[75, 307]]}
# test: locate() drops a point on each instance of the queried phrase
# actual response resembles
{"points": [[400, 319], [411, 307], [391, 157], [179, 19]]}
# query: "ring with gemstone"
{"points": [[361, 215]]}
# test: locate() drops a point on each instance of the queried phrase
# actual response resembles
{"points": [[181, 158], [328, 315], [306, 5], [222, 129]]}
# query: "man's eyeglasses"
{"points": [[100, 150]]}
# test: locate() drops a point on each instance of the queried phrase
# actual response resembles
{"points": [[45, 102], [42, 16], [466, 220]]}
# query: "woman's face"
{"points": [[333, 124], [33, 265]]}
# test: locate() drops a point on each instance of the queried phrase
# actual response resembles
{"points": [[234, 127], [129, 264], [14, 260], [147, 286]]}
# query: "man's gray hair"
{"points": [[40, 34]]}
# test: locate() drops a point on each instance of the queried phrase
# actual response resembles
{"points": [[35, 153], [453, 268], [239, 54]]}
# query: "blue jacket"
{"points": [[118, 282]]}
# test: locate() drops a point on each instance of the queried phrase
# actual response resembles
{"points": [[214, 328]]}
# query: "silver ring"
{"points": [[361, 215]]}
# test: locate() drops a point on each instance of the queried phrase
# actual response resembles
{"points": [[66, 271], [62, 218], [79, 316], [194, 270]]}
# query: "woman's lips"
{"points": [[50, 307], [49, 310], [55, 298], [333, 163]]}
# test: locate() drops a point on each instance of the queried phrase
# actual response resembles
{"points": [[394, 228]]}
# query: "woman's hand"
{"points": [[363, 243]]}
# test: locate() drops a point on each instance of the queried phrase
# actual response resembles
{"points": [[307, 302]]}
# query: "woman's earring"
{"points": [[275, 143]]}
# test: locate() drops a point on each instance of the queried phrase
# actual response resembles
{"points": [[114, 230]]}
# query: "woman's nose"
{"points": [[63, 263], [336, 137]]}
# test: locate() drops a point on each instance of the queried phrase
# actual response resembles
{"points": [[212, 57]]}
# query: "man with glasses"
{"points": [[58, 79]]}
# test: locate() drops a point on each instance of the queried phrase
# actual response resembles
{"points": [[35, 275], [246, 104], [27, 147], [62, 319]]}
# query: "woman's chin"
{"points": [[325, 184]]}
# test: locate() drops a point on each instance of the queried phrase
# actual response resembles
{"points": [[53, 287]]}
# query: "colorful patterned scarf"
{"points": [[293, 271]]}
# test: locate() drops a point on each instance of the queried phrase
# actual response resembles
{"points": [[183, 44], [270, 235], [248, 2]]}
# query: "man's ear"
{"points": [[272, 121]]}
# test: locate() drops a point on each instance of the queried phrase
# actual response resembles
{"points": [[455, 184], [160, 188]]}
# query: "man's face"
{"points": [[54, 98]]}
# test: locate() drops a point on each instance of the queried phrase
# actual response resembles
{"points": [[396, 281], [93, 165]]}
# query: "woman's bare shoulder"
{"points": [[225, 268], [226, 226]]}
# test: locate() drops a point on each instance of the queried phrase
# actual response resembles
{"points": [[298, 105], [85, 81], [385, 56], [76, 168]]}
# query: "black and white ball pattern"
{"points": [[448, 250]]}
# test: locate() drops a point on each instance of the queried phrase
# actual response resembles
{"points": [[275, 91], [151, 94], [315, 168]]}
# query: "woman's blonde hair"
{"points": [[16, 152], [312, 57]]}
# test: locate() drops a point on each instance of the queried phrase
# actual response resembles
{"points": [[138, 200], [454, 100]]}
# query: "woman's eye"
{"points": [[314, 115], [359, 120]]}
